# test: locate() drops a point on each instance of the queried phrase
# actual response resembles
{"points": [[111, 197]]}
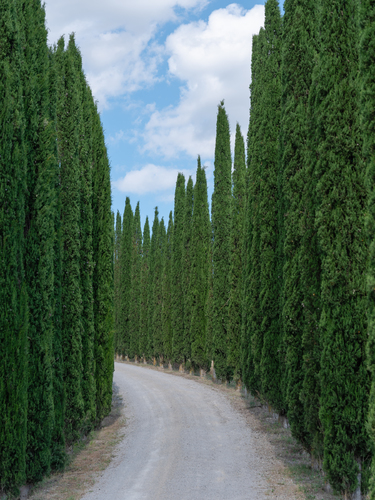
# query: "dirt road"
{"points": [[183, 441]]}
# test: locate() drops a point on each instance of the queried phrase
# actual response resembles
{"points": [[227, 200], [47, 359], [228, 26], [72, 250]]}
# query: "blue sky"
{"points": [[158, 69]]}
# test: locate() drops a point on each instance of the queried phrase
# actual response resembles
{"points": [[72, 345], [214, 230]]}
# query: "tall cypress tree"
{"points": [[341, 205], [199, 269], [209, 305], [268, 203], [122, 346], [236, 265], [255, 153], [186, 262], [221, 221], [177, 275], [86, 239], [367, 102], [145, 283], [250, 264], [39, 241], [13, 302], [157, 293], [117, 279], [301, 269], [68, 134], [151, 297], [167, 276], [103, 272], [135, 291], [302, 265], [56, 82]]}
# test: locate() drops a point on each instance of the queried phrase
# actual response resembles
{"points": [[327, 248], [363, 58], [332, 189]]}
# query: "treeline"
{"points": [[278, 288], [56, 244]]}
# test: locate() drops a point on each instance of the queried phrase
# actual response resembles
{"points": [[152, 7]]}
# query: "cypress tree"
{"points": [[302, 265], [151, 288], [135, 291], [103, 248], [125, 279], [301, 270], [367, 102], [86, 228], [145, 283], [199, 269], [256, 145], [268, 203], [236, 265], [167, 276], [68, 134], [221, 222], [177, 300], [39, 242], [341, 205], [56, 82], [117, 279], [209, 305], [157, 294], [186, 262], [13, 294], [249, 297]]}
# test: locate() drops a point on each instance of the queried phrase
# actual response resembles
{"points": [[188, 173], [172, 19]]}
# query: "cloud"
{"points": [[213, 60], [149, 179], [115, 38]]}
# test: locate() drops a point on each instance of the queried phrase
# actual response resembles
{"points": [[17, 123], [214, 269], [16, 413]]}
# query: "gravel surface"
{"points": [[183, 440]]}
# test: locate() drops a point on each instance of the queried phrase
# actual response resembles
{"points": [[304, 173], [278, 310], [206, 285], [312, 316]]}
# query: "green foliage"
{"points": [[58, 457], [268, 237], [122, 346], [302, 258], [86, 238], [72, 327], [341, 206], [236, 256], [166, 285], [145, 285], [39, 242], [186, 265], [135, 291], [252, 335], [199, 270], [296, 78], [221, 224], [367, 103], [103, 246], [13, 293], [152, 300], [209, 304], [177, 299], [55, 226], [157, 294], [117, 279]]}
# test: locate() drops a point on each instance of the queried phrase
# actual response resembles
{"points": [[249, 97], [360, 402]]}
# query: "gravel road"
{"points": [[183, 440]]}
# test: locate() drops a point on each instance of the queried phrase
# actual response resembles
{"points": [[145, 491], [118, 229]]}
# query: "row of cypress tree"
{"points": [[278, 288], [56, 244], [161, 279]]}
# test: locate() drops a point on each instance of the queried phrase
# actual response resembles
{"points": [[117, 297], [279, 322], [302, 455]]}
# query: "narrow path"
{"points": [[183, 441]]}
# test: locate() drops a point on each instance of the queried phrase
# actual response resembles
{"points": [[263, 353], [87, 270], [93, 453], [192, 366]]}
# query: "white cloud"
{"points": [[150, 179], [114, 37], [213, 59]]}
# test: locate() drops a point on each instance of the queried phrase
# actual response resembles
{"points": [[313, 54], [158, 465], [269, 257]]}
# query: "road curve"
{"points": [[183, 441]]}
